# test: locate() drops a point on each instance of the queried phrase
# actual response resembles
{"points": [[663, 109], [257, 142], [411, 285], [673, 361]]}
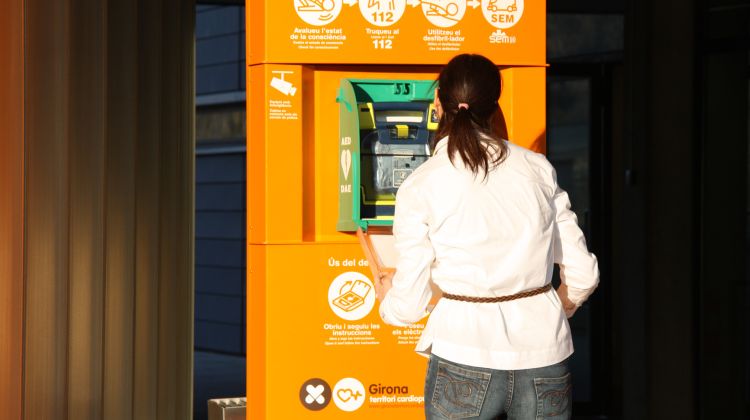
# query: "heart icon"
{"points": [[346, 162], [344, 394], [349, 394], [315, 393]]}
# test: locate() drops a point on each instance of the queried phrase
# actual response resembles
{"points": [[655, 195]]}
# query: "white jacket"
{"points": [[492, 237]]}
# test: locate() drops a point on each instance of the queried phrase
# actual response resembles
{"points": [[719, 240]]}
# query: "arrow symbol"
{"points": [[474, 3], [414, 3], [350, 2], [344, 287]]}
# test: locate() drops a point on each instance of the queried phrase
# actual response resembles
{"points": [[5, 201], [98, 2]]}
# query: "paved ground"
{"points": [[216, 376]]}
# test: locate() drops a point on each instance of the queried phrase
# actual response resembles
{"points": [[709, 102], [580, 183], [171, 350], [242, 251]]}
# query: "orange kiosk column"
{"points": [[308, 353]]}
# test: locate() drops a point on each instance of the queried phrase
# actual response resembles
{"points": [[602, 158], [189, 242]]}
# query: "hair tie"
{"points": [[463, 105]]}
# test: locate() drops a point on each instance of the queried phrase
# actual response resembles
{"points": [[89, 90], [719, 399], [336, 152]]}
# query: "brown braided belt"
{"points": [[473, 299]]}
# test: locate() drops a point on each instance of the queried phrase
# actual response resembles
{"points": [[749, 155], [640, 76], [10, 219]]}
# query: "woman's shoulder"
{"points": [[524, 153], [529, 162]]}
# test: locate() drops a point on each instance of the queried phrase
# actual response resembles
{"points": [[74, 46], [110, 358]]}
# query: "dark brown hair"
{"points": [[476, 128]]}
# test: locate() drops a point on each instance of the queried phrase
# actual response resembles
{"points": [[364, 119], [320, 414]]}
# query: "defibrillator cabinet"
{"points": [[386, 130], [339, 116]]}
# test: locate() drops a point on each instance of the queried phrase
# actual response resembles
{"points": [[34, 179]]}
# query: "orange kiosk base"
{"points": [[316, 344]]}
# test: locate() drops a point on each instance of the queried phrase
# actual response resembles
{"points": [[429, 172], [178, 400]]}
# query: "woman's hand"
{"points": [[383, 284], [568, 306]]}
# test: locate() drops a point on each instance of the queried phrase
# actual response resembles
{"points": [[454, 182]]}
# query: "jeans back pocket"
{"points": [[554, 397], [459, 392]]}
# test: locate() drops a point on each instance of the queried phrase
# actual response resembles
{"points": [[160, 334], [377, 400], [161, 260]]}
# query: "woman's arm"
{"points": [[579, 270], [405, 301]]}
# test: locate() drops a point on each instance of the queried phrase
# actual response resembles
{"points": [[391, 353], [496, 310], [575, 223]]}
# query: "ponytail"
{"points": [[464, 142], [469, 90]]}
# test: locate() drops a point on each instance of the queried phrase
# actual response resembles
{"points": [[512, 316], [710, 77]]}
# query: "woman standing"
{"points": [[485, 220]]}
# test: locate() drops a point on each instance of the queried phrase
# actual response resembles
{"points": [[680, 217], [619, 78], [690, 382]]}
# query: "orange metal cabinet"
{"points": [[316, 344]]}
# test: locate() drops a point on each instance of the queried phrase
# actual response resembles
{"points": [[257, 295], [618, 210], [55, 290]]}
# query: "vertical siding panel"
{"points": [[167, 286], [176, 288], [120, 210], [168, 209], [147, 238], [11, 208], [186, 67], [87, 154], [186, 186], [108, 210], [46, 117]]}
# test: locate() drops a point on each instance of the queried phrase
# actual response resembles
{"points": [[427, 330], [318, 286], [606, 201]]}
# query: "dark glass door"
{"points": [[577, 120]]}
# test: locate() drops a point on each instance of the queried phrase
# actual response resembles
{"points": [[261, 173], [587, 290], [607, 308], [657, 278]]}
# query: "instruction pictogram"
{"points": [[351, 296], [502, 14], [283, 86], [318, 12], [444, 13], [382, 12]]}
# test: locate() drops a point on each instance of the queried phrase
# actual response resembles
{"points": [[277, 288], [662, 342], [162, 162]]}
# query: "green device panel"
{"points": [[386, 128]]}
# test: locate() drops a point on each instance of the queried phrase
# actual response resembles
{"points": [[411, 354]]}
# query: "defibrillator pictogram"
{"points": [[351, 296]]}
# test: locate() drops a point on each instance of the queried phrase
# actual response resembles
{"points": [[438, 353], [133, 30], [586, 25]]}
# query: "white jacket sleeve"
{"points": [[406, 302], [579, 270]]}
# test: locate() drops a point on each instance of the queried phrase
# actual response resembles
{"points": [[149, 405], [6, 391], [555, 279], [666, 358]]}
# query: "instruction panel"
{"points": [[325, 347], [395, 31]]}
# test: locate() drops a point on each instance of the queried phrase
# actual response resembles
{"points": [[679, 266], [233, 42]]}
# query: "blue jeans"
{"points": [[456, 391]]}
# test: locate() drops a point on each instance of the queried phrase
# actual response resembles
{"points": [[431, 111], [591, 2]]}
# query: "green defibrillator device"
{"points": [[386, 128]]}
